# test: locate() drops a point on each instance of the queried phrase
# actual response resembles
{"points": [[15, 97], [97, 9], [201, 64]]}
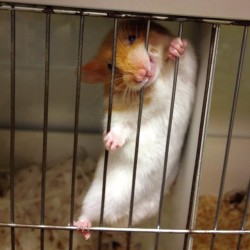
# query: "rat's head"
{"points": [[135, 67]]}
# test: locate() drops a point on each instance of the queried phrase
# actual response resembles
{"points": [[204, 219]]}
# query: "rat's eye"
{"points": [[131, 39], [109, 65]]}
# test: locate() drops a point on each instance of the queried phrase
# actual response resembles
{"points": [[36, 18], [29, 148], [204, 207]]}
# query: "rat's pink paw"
{"points": [[113, 141], [177, 48], [83, 228]]}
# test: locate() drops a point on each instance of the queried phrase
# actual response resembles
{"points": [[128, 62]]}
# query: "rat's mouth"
{"points": [[142, 75], [147, 75]]}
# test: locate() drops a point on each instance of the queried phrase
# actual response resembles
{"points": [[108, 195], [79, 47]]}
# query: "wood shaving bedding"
{"points": [[57, 208], [230, 218]]}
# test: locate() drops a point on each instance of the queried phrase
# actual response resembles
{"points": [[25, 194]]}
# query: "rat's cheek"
{"points": [[126, 78], [138, 58], [155, 67]]}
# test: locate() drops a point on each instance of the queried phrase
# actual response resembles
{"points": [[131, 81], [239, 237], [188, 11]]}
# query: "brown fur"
{"points": [[125, 97]]}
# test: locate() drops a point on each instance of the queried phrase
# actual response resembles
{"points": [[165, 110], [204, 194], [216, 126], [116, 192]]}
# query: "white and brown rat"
{"points": [[135, 68]]}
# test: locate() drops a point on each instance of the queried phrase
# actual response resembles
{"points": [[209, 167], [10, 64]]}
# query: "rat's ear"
{"points": [[93, 72]]}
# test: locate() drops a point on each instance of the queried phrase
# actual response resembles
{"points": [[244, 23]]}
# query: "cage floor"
{"points": [[230, 218], [27, 206]]}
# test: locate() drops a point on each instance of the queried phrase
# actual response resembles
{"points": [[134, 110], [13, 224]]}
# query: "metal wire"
{"points": [[76, 128], [12, 124], [132, 230], [118, 14], [171, 113], [110, 106], [230, 132], [202, 132], [45, 127], [137, 140]]}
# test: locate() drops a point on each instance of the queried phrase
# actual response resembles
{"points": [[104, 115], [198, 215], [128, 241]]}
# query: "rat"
{"points": [[139, 67]]}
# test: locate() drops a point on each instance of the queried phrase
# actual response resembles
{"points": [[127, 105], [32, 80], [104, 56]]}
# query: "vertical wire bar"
{"points": [[45, 127], [244, 217], [230, 132], [130, 219], [110, 107], [12, 125], [193, 202], [171, 113], [76, 128]]}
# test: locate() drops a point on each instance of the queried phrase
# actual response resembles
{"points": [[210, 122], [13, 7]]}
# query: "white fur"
{"points": [[151, 149]]}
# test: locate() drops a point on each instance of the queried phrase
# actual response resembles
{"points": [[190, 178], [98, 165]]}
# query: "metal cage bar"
{"points": [[110, 106], [12, 124], [189, 231], [230, 132], [202, 132], [45, 126], [171, 114], [76, 125], [133, 229], [137, 141], [118, 14]]}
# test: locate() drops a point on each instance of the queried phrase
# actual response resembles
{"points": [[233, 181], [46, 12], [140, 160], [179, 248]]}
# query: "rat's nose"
{"points": [[142, 75]]}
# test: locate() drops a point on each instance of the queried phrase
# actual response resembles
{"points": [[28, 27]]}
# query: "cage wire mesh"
{"points": [[40, 230]]}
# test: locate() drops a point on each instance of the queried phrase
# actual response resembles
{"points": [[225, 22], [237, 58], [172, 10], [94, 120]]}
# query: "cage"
{"points": [[51, 134]]}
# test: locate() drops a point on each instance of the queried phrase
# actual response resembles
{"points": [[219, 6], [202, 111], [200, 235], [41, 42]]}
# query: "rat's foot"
{"points": [[83, 228], [176, 48], [113, 141]]}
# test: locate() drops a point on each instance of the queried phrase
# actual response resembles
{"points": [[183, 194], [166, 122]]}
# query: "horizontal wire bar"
{"points": [[134, 230], [117, 14]]}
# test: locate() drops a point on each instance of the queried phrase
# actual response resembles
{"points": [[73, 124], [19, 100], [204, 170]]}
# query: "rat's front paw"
{"points": [[113, 141], [176, 48], [83, 228]]}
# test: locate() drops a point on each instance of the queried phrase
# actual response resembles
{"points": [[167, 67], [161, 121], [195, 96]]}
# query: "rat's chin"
{"points": [[148, 83], [144, 83], [149, 80]]}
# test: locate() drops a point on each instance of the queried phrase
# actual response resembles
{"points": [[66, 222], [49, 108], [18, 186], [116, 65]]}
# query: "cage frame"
{"points": [[51, 9]]}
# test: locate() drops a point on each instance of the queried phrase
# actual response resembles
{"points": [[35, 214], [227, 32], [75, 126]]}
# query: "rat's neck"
{"points": [[125, 101]]}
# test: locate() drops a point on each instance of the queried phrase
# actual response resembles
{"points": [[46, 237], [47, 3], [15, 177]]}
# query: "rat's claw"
{"points": [[177, 48], [83, 228], [87, 235], [113, 141]]}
